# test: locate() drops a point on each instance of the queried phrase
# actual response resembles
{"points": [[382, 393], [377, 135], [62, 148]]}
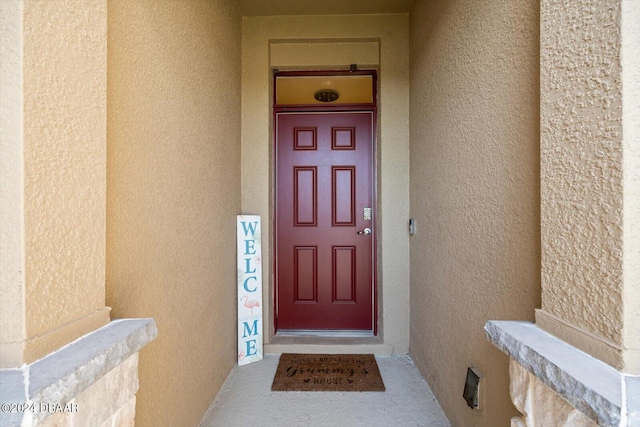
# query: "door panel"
{"points": [[324, 181]]}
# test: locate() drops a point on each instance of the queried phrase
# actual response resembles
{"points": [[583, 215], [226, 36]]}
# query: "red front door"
{"points": [[324, 211]]}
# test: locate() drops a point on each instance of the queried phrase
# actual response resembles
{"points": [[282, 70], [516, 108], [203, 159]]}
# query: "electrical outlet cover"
{"points": [[471, 391]]}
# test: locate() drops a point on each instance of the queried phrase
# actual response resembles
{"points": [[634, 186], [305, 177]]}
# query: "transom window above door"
{"points": [[296, 88]]}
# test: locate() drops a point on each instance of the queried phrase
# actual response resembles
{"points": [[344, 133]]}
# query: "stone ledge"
{"points": [[60, 376], [595, 388]]}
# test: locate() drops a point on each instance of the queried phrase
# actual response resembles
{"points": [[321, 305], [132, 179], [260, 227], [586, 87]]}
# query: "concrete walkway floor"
{"points": [[246, 399]]}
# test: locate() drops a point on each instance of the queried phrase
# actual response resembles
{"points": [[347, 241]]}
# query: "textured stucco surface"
{"points": [[582, 188], [12, 333], [393, 137], [474, 192], [62, 139], [173, 194]]}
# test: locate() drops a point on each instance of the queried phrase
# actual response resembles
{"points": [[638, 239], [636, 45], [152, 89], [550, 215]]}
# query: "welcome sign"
{"points": [[249, 289]]}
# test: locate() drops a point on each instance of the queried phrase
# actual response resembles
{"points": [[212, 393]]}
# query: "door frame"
{"points": [[316, 108]]}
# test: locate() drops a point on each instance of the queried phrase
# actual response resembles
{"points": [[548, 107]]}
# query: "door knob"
{"points": [[366, 231]]}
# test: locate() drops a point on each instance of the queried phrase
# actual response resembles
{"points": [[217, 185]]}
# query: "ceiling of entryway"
{"points": [[322, 7]]}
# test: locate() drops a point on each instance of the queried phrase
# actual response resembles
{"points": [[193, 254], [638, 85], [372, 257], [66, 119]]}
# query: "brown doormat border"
{"points": [[327, 372]]}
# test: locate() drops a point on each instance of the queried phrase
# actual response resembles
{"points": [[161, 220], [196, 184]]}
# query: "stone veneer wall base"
{"points": [[91, 381], [603, 394]]}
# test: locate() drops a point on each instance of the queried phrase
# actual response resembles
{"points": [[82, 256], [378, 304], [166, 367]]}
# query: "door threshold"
{"points": [[279, 344]]}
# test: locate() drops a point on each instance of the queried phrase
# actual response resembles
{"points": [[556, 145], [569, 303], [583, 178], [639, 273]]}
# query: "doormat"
{"points": [[327, 372]]}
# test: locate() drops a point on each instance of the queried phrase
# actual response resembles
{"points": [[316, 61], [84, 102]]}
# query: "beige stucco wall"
{"points": [[589, 173], [474, 192], [291, 42], [60, 189], [173, 194]]}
